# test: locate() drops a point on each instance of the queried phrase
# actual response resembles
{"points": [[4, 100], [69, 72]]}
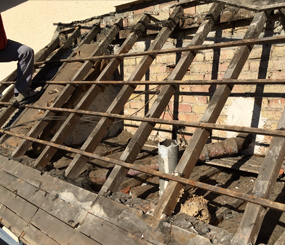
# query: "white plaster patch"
{"points": [[240, 113], [70, 198]]}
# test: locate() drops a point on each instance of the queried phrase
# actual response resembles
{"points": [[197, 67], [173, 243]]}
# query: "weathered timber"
{"points": [[118, 103], [105, 216], [170, 82], [175, 178], [86, 40], [58, 231], [68, 213], [188, 160], [34, 236], [63, 190], [141, 135], [90, 95], [41, 55], [150, 228], [254, 214], [40, 75], [22, 208], [281, 240], [256, 41], [67, 91], [89, 37], [100, 231], [11, 220], [232, 128], [220, 214]]}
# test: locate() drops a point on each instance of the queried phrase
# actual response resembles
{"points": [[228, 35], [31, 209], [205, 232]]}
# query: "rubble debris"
{"points": [[196, 206]]}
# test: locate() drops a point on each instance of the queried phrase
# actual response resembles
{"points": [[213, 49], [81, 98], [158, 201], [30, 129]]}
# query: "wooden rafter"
{"points": [[118, 103], [188, 160], [67, 91], [90, 95]]}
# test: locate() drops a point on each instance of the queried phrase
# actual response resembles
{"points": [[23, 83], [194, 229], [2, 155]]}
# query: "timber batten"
{"points": [[39, 208]]}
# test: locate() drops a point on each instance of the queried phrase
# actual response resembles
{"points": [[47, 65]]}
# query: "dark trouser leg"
{"points": [[25, 56]]}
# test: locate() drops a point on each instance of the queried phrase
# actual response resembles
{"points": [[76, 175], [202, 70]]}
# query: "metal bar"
{"points": [[171, 82], [255, 41], [269, 132], [184, 181]]}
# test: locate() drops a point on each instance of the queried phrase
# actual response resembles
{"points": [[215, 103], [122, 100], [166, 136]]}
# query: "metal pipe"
{"points": [[167, 160], [216, 189], [176, 50], [277, 133], [166, 82]]}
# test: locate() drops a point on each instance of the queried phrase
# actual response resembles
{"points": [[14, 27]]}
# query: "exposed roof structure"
{"points": [[41, 209]]}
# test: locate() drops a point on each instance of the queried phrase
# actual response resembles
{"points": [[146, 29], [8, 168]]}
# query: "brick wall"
{"points": [[248, 105]]}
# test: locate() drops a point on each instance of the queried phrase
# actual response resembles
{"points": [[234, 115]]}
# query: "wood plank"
{"points": [[89, 37], [12, 221], [65, 191], [254, 214], [67, 91], [86, 40], [90, 95], [65, 46], [67, 213], [188, 160], [34, 236], [250, 164], [152, 229], [59, 231], [141, 135], [19, 206], [281, 240], [100, 231], [39, 56], [118, 103]]}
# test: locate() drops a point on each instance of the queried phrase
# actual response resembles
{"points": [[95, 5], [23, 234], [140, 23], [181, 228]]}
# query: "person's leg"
{"points": [[25, 56]]}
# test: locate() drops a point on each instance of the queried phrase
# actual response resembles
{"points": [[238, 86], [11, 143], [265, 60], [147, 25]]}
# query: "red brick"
{"points": [[141, 11], [195, 99], [200, 88], [277, 103], [157, 69], [275, 115], [190, 10], [227, 54], [182, 108], [166, 116], [166, 59], [201, 67], [189, 117], [193, 77], [223, 66], [189, 129], [209, 76], [185, 88], [243, 88]]}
